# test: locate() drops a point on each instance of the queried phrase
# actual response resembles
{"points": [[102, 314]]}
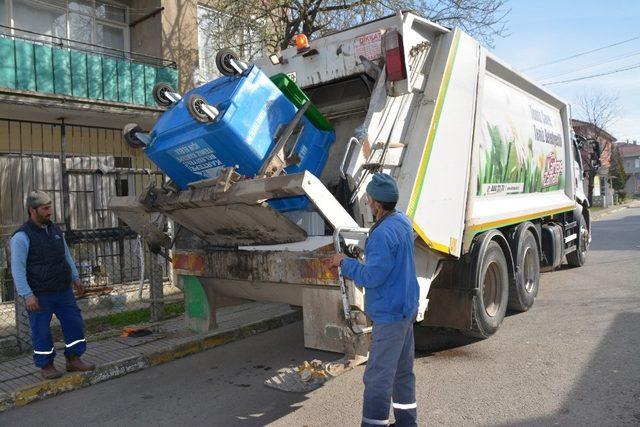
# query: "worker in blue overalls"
{"points": [[388, 276], [43, 271]]}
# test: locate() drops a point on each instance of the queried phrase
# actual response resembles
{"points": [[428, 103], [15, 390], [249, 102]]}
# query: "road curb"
{"points": [[74, 381], [600, 215]]}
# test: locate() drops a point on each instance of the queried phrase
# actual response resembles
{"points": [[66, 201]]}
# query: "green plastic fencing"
{"points": [[41, 68]]}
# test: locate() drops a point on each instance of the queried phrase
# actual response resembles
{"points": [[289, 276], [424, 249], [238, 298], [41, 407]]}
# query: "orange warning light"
{"points": [[302, 42]]}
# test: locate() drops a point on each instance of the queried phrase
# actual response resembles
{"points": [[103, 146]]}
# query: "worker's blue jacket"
{"points": [[388, 273]]}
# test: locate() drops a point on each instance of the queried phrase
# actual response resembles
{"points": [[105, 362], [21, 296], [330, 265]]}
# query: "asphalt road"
{"points": [[573, 359]]}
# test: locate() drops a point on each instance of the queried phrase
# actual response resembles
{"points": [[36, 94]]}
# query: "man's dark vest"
{"points": [[47, 268]]}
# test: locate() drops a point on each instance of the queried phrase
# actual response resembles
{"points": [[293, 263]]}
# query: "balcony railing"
{"points": [[47, 64]]}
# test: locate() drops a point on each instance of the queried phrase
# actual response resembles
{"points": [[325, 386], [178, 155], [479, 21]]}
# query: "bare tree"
{"points": [[600, 110], [255, 25]]}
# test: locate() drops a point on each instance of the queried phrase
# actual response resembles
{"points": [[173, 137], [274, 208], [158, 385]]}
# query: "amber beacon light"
{"points": [[302, 42]]}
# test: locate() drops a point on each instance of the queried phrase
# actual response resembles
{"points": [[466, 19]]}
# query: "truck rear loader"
{"points": [[485, 160]]}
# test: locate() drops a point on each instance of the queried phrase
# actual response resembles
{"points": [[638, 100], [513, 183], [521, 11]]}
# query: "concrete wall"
{"points": [[145, 36], [180, 38]]}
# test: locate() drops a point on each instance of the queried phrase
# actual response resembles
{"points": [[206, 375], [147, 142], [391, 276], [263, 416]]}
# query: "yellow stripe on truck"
{"points": [[433, 129], [509, 221], [433, 245]]}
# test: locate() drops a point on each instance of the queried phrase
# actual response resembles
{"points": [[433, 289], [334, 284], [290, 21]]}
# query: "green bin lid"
{"points": [[298, 97]]}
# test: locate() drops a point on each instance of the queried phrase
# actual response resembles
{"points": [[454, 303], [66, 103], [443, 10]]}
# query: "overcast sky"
{"points": [[544, 31]]}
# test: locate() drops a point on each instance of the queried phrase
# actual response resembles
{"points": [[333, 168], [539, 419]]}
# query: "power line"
{"points": [[594, 75], [591, 65], [580, 54]]}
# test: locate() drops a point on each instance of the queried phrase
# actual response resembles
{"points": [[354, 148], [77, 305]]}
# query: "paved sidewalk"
{"points": [[599, 214], [21, 383]]}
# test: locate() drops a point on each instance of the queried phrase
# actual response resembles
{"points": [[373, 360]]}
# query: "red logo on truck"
{"points": [[552, 170]]}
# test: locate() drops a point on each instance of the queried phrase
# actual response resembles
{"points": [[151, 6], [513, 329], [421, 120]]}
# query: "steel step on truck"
{"points": [[485, 159]]}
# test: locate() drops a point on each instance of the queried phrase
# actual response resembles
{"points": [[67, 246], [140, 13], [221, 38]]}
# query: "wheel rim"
{"points": [[226, 61], [491, 289], [584, 240], [529, 270], [197, 106]]}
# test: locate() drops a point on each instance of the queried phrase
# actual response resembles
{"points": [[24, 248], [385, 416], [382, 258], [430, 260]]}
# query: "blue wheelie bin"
{"points": [[252, 112]]}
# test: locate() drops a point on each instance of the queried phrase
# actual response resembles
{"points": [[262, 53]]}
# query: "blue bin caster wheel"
{"points": [[160, 91], [196, 106], [130, 134], [223, 62]]}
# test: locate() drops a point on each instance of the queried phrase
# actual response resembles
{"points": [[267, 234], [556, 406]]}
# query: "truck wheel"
{"points": [[223, 62], [527, 277], [579, 257], [195, 108], [492, 284], [160, 94]]}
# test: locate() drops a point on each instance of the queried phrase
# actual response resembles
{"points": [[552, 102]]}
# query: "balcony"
{"points": [[53, 65]]}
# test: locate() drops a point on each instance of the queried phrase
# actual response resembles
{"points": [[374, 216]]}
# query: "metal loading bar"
{"points": [[346, 305]]}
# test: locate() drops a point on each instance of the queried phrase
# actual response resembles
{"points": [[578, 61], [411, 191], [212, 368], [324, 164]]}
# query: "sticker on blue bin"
{"points": [[198, 157]]}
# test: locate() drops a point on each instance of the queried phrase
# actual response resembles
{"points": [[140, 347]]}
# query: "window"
{"points": [[40, 17], [109, 36], [84, 21], [111, 12], [122, 180], [98, 23], [637, 163], [3, 13], [80, 28]]}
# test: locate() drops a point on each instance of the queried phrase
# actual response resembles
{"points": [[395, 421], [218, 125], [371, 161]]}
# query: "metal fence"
{"points": [[81, 168]]}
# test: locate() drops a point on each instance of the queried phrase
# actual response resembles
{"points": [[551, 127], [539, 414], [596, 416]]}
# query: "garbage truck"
{"points": [[487, 166]]}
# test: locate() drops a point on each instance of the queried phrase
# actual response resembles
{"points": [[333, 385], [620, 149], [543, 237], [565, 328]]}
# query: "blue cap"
{"points": [[383, 188]]}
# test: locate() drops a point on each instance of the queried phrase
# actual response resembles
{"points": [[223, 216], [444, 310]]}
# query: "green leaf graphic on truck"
{"points": [[512, 167], [521, 146]]}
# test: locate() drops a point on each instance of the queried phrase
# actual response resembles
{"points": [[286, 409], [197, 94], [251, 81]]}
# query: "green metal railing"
{"points": [[67, 67]]}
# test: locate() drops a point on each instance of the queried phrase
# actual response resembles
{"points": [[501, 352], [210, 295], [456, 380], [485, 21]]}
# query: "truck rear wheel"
{"points": [[492, 284], [579, 256], [527, 277]]}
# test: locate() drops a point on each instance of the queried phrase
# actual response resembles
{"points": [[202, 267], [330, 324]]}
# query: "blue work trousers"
{"points": [[63, 305], [388, 378]]}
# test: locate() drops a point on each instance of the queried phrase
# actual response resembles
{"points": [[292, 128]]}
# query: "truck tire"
{"points": [[579, 256], [491, 277], [527, 278]]}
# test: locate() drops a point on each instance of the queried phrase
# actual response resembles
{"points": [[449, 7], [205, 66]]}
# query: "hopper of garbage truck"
{"points": [[231, 214]]}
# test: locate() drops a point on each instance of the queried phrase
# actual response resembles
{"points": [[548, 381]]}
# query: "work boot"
{"points": [[50, 372], [75, 364]]}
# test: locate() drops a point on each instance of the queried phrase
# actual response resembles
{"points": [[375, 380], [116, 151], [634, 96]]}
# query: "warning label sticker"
{"points": [[369, 46]]}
